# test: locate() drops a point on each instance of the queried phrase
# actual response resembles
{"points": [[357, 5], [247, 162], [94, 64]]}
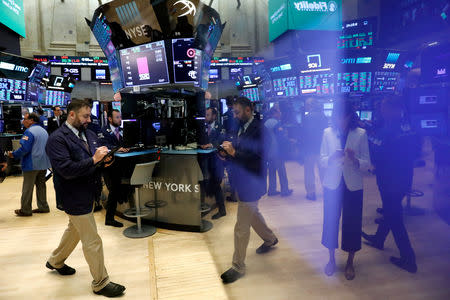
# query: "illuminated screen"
{"points": [[145, 64], [100, 74], [116, 105], [56, 98], [252, 94], [356, 82], [287, 86], [186, 61], [365, 115], [319, 84], [12, 15], [72, 72], [35, 93], [385, 81], [214, 74], [236, 72], [357, 34], [12, 90]]}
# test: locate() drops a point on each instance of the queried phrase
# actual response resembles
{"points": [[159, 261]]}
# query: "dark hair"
{"points": [[54, 107], [244, 102], [76, 104], [344, 108], [110, 112], [40, 111], [214, 110], [34, 117], [229, 100]]}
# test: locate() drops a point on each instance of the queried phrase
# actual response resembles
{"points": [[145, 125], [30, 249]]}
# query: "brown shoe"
{"points": [[20, 213], [40, 211]]}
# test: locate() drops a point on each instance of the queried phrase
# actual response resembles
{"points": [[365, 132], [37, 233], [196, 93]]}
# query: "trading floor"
{"points": [[182, 265]]}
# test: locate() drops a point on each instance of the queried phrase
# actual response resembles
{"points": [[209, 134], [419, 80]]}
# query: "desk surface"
{"points": [[165, 151]]}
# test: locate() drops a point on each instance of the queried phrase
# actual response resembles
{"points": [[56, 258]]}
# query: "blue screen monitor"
{"points": [[365, 115], [252, 94], [13, 90], [116, 105]]}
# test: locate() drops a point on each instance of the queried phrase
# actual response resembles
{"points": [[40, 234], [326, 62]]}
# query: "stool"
{"points": [[142, 174]]}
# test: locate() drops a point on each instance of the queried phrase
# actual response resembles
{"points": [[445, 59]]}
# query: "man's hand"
{"points": [[207, 146], [4, 166], [124, 150], [337, 155], [228, 147], [99, 154]]}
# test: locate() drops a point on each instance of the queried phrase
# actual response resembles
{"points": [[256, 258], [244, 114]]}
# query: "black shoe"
{"points": [[270, 194], [372, 241], [98, 208], [65, 270], [111, 290], [231, 199], [266, 248], [286, 193], [410, 267], [379, 220], [40, 211], [113, 223], [218, 215], [311, 197], [20, 213], [231, 276]]}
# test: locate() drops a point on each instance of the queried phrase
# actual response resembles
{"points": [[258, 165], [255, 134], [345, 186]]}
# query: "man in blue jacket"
{"points": [[34, 166], [74, 152], [111, 137]]}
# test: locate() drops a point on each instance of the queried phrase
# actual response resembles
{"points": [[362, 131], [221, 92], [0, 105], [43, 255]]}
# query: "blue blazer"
{"points": [[76, 179], [108, 138]]}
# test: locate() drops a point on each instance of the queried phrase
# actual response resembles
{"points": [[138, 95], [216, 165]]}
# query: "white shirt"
{"points": [[113, 129], [244, 128], [76, 131]]}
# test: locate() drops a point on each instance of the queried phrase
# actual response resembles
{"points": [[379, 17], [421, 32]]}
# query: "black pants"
{"points": [[393, 221], [350, 204], [212, 171], [277, 165], [118, 193]]}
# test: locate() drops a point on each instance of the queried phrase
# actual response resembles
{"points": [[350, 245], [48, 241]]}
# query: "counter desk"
{"points": [[175, 185]]}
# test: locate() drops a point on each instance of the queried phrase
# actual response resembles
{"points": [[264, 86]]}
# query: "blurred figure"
{"points": [[34, 166], [43, 120], [213, 167], [313, 126], [56, 121], [344, 154], [3, 165], [231, 126], [112, 137], [274, 158], [246, 155], [394, 151]]}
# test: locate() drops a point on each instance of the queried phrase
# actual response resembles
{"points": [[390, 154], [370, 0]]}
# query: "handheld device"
{"points": [[107, 156]]}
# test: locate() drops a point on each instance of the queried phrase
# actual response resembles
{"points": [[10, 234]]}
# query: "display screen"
{"points": [[356, 82], [186, 61], [35, 93], [252, 94], [435, 65], [319, 84], [432, 124], [145, 64], [365, 115], [385, 81], [39, 72], [287, 86], [12, 90], [236, 72], [116, 105], [54, 98], [72, 72], [100, 74], [214, 74], [358, 34], [12, 15]]}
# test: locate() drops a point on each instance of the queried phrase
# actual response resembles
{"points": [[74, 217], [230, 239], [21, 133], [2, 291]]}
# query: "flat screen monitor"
{"points": [[286, 86], [328, 106], [145, 65], [95, 108], [235, 72], [328, 113], [186, 61], [429, 100], [54, 98], [358, 34], [224, 105], [13, 90], [252, 94], [365, 115], [214, 74], [35, 93], [430, 124], [355, 82], [73, 72], [100, 74], [116, 105], [318, 84], [385, 81], [39, 72]]}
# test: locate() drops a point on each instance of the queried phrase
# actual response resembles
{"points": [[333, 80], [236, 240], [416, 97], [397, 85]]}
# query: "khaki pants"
{"points": [[309, 172], [248, 215], [83, 228], [30, 179]]}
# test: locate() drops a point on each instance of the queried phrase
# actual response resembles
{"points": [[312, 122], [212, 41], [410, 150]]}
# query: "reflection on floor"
{"points": [[188, 265]]}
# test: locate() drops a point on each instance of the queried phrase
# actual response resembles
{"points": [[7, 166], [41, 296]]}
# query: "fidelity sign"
{"points": [[321, 6]]}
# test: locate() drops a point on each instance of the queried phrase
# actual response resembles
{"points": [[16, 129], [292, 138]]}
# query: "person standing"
{"points": [[231, 126], [313, 126], [56, 121], [275, 161], [43, 120], [213, 165], [246, 155], [73, 153], [344, 155], [394, 150], [112, 137], [34, 163]]}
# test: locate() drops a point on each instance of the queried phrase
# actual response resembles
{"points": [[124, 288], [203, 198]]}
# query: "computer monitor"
{"points": [[12, 90], [186, 61], [365, 115], [131, 132], [116, 105], [431, 124]]}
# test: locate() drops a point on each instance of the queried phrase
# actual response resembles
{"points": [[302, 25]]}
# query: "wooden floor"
{"points": [[182, 265]]}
